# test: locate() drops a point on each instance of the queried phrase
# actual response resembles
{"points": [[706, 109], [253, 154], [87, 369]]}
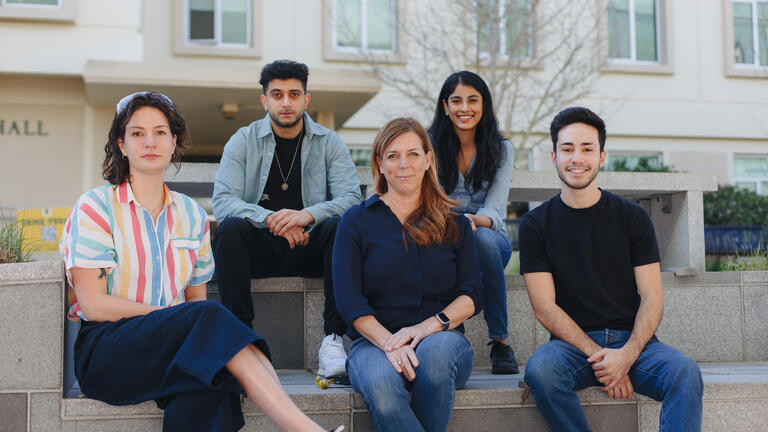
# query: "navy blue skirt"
{"points": [[174, 356]]}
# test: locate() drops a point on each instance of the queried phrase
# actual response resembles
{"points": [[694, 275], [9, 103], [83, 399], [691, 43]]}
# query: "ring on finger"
{"points": [[399, 362]]}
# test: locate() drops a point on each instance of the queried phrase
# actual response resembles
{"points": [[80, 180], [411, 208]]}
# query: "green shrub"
{"points": [[735, 206], [644, 164], [12, 247], [757, 260]]}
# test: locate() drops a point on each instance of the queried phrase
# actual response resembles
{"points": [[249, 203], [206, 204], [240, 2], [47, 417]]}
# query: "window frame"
{"points": [[659, 155], [64, 11], [757, 180], [502, 54], [331, 50], [184, 46], [733, 69], [664, 46]]}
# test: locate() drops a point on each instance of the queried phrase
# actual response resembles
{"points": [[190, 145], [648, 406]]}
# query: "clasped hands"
{"points": [[611, 367], [290, 224], [401, 353]]}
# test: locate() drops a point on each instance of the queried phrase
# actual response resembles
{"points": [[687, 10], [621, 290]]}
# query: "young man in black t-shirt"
{"points": [[591, 266]]}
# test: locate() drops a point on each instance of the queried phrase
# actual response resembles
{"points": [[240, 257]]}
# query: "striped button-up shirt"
{"points": [[146, 261]]}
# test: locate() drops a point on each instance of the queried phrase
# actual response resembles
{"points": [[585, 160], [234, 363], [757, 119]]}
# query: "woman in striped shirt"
{"points": [[138, 257]]}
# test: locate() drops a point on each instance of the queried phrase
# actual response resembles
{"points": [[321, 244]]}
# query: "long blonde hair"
{"points": [[432, 222]]}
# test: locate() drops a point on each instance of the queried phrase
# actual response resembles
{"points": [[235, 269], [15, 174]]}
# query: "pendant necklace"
{"points": [[284, 186]]}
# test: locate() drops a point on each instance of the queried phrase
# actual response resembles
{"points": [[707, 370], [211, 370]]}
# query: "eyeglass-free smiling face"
{"points": [[578, 157], [464, 107], [148, 142]]}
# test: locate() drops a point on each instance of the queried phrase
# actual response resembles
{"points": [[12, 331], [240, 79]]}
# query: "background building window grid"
{"points": [[751, 173], [630, 162], [750, 32], [33, 3], [507, 23], [361, 157], [633, 30], [218, 22], [364, 24]]}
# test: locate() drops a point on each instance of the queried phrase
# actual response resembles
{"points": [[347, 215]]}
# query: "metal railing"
{"points": [[734, 239]]}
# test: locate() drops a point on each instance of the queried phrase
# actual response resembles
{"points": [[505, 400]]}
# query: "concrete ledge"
{"points": [[43, 271], [734, 394]]}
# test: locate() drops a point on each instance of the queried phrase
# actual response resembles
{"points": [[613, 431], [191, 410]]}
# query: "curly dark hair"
{"points": [[115, 168], [447, 146], [282, 70]]}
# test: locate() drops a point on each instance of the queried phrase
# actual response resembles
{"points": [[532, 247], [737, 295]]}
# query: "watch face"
{"points": [[443, 318]]}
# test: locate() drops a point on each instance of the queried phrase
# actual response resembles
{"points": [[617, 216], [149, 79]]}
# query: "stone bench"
{"points": [[735, 397], [719, 319], [674, 201]]}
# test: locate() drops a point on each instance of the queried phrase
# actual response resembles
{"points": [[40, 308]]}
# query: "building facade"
{"points": [[684, 82]]}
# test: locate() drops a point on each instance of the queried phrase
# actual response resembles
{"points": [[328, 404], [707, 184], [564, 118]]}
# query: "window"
{"points": [[361, 157], [751, 173], [504, 27], [218, 22], [45, 10], [54, 3], [633, 30], [633, 162], [216, 27], [750, 32], [364, 24]]}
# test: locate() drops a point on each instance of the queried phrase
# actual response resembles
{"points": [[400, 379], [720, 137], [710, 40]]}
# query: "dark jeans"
{"points": [[242, 251]]}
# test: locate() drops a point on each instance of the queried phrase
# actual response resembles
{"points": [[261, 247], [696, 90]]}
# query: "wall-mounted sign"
{"points": [[43, 227], [22, 128]]}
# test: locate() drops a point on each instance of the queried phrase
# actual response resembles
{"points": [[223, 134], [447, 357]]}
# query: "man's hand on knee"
{"points": [[611, 365], [296, 237], [283, 220], [622, 390]]}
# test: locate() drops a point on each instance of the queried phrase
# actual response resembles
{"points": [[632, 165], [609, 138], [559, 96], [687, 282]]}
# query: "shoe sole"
{"points": [[321, 372], [505, 371]]}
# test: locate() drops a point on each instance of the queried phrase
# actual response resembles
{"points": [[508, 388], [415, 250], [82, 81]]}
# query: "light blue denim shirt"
{"points": [[329, 183], [491, 202]]}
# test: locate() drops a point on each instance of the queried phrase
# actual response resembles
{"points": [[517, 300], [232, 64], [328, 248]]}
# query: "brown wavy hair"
{"points": [[115, 168], [432, 222]]}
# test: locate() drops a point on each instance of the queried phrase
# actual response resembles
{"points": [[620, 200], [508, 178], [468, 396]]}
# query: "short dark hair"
{"points": [[577, 115], [284, 69], [115, 168]]}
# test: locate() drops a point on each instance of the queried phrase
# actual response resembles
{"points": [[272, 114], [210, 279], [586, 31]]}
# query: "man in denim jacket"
{"points": [[282, 185]]}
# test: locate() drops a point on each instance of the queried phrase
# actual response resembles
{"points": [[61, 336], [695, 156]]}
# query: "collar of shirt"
{"points": [[125, 195], [310, 128]]}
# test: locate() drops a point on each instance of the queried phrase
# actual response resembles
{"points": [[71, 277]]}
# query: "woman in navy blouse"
{"points": [[406, 275], [474, 165]]}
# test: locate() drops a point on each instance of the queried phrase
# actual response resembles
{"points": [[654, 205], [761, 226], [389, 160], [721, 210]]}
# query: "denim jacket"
{"points": [[329, 182], [491, 202]]}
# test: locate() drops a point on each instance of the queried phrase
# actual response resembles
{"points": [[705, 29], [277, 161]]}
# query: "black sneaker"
{"points": [[502, 359]]}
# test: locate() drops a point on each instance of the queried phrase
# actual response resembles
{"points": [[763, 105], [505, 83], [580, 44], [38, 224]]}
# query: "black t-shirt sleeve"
{"points": [[643, 246], [533, 251]]}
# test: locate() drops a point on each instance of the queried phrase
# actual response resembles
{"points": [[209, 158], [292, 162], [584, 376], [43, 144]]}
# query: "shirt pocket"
{"points": [[186, 243]]}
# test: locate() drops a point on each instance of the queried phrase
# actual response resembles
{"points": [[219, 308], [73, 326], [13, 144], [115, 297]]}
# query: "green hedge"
{"points": [[734, 206]]}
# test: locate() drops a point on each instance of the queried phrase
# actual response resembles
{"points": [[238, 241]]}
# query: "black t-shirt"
{"points": [[591, 254], [275, 197]]}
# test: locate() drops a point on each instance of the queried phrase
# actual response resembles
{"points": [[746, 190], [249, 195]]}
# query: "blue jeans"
{"points": [[494, 250], [557, 370], [445, 364]]}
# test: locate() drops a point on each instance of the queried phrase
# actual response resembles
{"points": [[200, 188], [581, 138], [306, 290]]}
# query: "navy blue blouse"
{"points": [[375, 274]]}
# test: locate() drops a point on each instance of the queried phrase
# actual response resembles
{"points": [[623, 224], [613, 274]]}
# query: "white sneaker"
{"points": [[331, 357]]}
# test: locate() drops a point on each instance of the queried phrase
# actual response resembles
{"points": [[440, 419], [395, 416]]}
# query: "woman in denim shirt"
{"points": [[474, 165]]}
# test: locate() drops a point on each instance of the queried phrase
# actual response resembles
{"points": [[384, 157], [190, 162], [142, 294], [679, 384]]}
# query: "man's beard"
{"points": [[562, 174], [276, 119]]}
